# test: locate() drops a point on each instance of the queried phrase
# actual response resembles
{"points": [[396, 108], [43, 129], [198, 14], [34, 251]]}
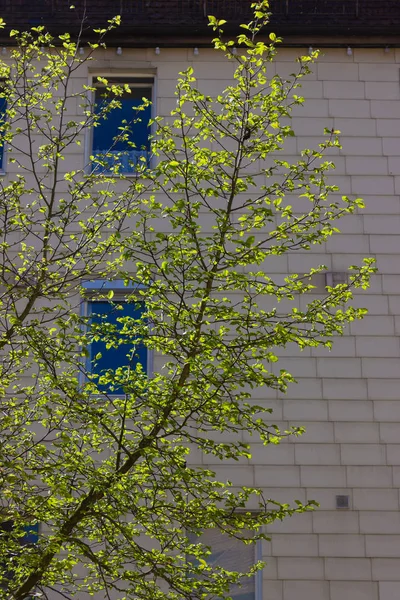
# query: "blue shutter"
{"points": [[123, 356]]}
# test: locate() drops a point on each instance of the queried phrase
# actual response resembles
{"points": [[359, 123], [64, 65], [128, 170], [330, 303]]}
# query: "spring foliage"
{"points": [[114, 479]]}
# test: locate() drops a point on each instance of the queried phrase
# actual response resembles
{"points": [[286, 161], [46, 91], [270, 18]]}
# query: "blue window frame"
{"points": [[125, 355], [3, 117], [123, 154]]}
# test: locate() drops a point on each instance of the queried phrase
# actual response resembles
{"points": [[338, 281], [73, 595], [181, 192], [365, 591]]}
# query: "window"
{"points": [[31, 536], [124, 150], [232, 554], [128, 354], [3, 118], [31, 532]]}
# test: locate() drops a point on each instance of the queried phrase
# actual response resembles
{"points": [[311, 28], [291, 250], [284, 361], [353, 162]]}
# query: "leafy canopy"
{"points": [[119, 482]]}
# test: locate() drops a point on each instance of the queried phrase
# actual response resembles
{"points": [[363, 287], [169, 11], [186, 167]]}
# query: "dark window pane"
{"points": [[233, 555], [31, 534], [120, 152], [125, 355], [3, 116], [31, 537]]}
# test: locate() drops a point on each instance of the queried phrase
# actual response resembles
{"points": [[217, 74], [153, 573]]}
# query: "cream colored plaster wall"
{"points": [[349, 399]]}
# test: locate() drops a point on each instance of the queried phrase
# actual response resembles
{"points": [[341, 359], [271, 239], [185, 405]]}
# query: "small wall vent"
{"points": [[342, 501]]}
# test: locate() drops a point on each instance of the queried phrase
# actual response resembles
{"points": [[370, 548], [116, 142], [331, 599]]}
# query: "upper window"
{"points": [[121, 138]]}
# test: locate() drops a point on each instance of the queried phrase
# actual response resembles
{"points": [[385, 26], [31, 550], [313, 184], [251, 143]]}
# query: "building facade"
{"points": [[347, 398]]}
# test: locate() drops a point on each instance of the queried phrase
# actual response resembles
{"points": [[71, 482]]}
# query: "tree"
{"points": [[101, 457]]}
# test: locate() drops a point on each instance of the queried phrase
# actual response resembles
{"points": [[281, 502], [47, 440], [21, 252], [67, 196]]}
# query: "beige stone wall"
{"points": [[348, 399]]}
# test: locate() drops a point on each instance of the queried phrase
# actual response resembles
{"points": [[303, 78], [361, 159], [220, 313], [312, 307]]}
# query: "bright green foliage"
{"points": [[110, 478]]}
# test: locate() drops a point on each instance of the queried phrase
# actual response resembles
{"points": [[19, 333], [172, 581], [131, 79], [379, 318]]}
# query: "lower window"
{"points": [[30, 536], [105, 358], [233, 555]]}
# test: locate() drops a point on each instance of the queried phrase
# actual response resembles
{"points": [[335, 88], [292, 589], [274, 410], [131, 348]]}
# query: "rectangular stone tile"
{"points": [[360, 433], [375, 499], [349, 108], [384, 244], [308, 126], [391, 284], [388, 127], [237, 475], [382, 546], [272, 454], [386, 569], [373, 325], [316, 432], [363, 454], [350, 569], [304, 389], [300, 568], [341, 545], [273, 589], [317, 454], [393, 454], [389, 590], [385, 109], [335, 522], [380, 522], [305, 590], [357, 127], [326, 476], [369, 476], [372, 146], [348, 410], [372, 185], [377, 346], [387, 389], [337, 389], [387, 263], [389, 432], [382, 224], [342, 346], [353, 590], [386, 410], [307, 410], [337, 71], [339, 367], [344, 89], [279, 476], [298, 523], [294, 545], [383, 90], [366, 165]]}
